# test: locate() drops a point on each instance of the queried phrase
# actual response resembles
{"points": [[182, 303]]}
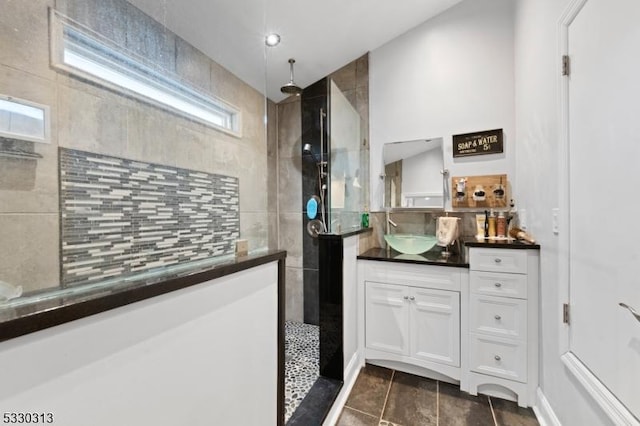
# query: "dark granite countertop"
{"points": [[434, 256], [502, 244], [431, 257], [34, 312], [346, 234]]}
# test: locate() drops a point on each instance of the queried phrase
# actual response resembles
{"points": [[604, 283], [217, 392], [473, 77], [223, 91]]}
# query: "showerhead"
{"points": [[291, 88], [308, 155], [307, 148]]}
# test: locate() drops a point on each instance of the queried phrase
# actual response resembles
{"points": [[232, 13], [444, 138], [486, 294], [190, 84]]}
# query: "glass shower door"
{"points": [[347, 179]]}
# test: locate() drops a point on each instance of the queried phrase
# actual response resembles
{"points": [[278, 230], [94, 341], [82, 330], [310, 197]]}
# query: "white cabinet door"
{"points": [[435, 325], [386, 317]]}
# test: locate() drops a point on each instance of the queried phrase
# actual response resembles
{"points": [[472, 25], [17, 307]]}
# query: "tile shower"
{"points": [[121, 217], [42, 227], [297, 181]]}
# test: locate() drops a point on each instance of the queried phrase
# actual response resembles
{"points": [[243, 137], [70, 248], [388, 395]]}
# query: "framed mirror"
{"points": [[413, 174]]}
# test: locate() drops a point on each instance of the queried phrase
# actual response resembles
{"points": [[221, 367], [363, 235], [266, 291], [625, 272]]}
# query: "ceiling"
{"points": [[322, 36]]}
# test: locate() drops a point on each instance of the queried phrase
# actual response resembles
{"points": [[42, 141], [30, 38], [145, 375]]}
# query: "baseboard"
{"points": [[543, 411], [350, 376]]}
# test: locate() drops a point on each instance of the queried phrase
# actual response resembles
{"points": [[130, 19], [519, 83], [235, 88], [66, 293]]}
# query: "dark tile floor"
{"points": [[383, 397]]}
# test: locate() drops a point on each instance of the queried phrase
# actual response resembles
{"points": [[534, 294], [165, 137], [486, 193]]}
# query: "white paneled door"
{"points": [[604, 193]]}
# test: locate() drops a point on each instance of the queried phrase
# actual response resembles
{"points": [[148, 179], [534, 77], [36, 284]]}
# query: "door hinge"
{"points": [[566, 65], [565, 313]]}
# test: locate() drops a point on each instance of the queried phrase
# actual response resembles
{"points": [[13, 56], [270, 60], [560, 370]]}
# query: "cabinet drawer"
{"points": [[498, 284], [498, 260], [498, 316], [425, 276], [498, 357]]}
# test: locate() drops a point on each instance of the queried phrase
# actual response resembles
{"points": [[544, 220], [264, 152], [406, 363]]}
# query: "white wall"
{"points": [[190, 357], [421, 173], [451, 75], [350, 300], [537, 78]]}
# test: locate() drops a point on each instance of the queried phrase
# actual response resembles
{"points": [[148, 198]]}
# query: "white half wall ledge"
{"points": [[610, 405]]}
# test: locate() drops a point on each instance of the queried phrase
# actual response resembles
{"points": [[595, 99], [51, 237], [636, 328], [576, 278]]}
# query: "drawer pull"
{"points": [[412, 298], [498, 317], [498, 285], [497, 357], [497, 260]]}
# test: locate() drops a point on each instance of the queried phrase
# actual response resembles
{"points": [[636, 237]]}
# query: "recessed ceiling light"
{"points": [[272, 40]]}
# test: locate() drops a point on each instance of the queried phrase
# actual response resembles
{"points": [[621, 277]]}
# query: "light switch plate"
{"points": [[555, 213]]}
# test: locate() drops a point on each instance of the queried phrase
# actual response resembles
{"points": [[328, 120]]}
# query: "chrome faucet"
{"points": [[390, 222]]}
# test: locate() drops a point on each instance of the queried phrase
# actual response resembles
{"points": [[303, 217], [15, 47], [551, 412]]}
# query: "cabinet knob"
{"points": [[498, 317], [412, 298], [406, 298], [497, 260], [498, 285], [497, 357]]}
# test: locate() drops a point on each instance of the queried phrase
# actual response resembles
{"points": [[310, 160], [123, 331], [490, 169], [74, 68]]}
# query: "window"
{"points": [[79, 51], [23, 120]]}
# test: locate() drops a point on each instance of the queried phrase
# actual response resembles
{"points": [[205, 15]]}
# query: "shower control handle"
{"points": [[406, 297], [412, 298]]}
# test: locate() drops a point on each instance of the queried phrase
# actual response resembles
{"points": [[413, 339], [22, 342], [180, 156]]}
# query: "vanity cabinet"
{"points": [[503, 323], [420, 323], [412, 316]]}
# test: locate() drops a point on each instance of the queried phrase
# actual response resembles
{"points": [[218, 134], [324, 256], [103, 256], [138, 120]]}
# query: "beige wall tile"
{"points": [[272, 238], [290, 232], [255, 228], [32, 261], [151, 136], [345, 77], [192, 150], [289, 129], [91, 123], [290, 184], [294, 295], [193, 66], [225, 84], [30, 186], [24, 36], [253, 181], [272, 156], [362, 71]]}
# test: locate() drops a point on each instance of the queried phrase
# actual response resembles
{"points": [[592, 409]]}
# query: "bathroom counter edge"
{"points": [[500, 244], [384, 255], [70, 311]]}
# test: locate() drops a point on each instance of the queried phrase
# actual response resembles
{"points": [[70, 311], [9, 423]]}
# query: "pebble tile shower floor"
{"points": [[302, 363]]}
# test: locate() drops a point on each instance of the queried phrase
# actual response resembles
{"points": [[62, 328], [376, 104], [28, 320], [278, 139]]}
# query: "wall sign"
{"points": [[478, 143]]}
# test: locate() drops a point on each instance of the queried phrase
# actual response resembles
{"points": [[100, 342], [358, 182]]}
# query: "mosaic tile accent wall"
{"points": [[122, 217]]}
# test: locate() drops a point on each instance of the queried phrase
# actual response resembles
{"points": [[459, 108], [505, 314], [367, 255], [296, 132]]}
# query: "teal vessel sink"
{"points": [[411, 244]]}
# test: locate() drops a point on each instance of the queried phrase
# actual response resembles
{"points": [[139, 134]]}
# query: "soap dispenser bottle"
{"points": [[364, 219], [501, 225], [492, 225]]}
